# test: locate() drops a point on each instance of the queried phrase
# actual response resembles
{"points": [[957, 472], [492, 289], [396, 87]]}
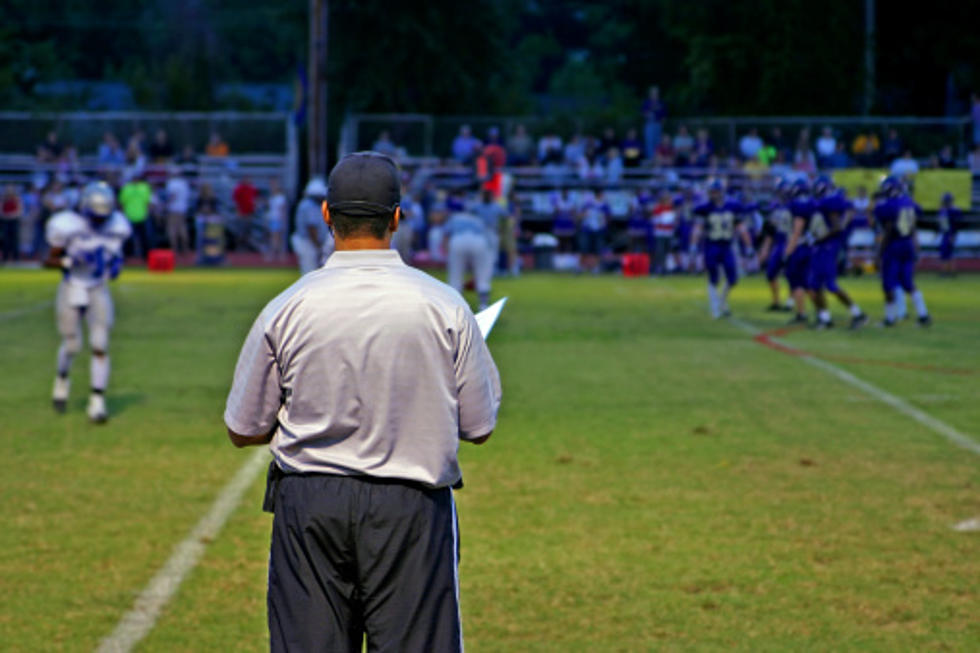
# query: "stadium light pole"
{"points": [[869, 55], [317, 98]]}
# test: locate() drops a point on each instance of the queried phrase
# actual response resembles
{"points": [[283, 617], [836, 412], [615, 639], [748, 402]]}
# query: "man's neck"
{"points": [[360, 243]]}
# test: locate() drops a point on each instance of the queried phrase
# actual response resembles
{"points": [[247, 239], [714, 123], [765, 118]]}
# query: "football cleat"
{"points": [[799, 318], [774, 308], [59, 396], [96, 409], [823, 325], [859, 321], [925, 320], [888, 323]]}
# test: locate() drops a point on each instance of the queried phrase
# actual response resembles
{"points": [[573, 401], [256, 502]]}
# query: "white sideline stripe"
{"points": [[902, 406], [968, 526], [18, 312], [141, 618]]}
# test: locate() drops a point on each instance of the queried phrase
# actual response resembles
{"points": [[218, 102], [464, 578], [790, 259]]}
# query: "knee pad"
{"points": [[98, 338], [72, 343]]}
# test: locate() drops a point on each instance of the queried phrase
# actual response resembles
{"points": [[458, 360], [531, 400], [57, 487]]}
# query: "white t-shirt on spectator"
{"points": [[178, 195]]}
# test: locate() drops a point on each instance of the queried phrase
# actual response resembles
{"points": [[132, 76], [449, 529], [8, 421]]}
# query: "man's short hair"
{"points": [[347, 226]]}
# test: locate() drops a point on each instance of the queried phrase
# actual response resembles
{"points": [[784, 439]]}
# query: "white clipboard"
{"points": [[486, 318]]}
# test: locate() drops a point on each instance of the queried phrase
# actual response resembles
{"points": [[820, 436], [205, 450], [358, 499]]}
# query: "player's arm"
{"points": [[794, 236], [256, 394], [57, 259], [478, 383]]}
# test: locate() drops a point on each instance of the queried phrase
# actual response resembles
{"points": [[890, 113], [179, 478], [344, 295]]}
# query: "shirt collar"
{"points": [[362, 257]]}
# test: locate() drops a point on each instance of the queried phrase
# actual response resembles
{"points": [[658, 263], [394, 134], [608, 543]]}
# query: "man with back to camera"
{"points": [[364, 376]]}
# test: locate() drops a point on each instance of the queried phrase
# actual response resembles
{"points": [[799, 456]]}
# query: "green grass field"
{"points": [[657, 480]]}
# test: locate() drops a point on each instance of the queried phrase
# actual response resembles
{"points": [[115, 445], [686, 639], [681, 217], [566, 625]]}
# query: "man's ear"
{"points": [[395, 219], [325, 209]]}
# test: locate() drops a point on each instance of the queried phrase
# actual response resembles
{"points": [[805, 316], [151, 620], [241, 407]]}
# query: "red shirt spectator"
{"points": [[244, 197]]}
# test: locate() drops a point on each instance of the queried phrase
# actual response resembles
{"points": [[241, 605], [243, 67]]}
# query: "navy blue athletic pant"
{"points": [[352, 555]]}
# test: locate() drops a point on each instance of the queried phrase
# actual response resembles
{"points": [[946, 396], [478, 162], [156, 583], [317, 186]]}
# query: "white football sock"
{"points": [[900, 307], [100, 372], [855, 310], [64, 360], [824, 315], [920, 303], [890, 311], [714, 301]]}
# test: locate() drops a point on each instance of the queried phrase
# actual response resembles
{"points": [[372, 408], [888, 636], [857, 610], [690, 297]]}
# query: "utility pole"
{"points": [[869, 56], [316, 110]]}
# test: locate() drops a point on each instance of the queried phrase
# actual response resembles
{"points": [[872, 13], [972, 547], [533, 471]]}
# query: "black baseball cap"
{"points": [[364, 184]]}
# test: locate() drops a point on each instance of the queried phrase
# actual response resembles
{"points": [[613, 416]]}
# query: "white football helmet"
{"points": [[98, 200], [315, 187]]}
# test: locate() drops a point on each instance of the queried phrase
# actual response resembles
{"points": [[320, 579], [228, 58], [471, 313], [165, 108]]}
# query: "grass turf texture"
{"points": [[657, 479]]}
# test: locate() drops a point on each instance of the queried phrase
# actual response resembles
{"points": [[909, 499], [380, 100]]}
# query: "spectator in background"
{"points": [[664, 226], [946, 159], [216, 147], [779, 167], [973, 160], [550, 150], [135, 157], [574, 150], [465, 146], [750, 144], [778, 141], [612, 165], [494, 152], [703, 148], [385, 145], [30, 221], [187, 160], [632, 149], [161, 150], [892, 148], [839, 158], [51, 149], [608, 140], [55, 197], [178, 193], [276, 221], [11, 213], [975, 115], [865, 148], [663, 155], [826, 146], [135, 200], [110, 153], [245, 196], [683, 146], [905, 166], [949, 218], [520, 147], [804, 159], [654, 111]]}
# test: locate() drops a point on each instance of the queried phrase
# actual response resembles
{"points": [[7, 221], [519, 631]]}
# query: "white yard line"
{"points": [[141, 618], [27, 310], [902, 406]]}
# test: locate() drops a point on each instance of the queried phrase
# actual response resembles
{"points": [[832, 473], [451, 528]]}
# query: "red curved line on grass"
{"points": [[766, 339]]}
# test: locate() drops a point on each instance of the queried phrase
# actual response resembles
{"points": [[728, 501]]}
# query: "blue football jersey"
{"points": [[719, 221], [897, 216]]}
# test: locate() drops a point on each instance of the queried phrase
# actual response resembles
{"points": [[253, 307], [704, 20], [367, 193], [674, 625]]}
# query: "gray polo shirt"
{"points": [[369, 367]]}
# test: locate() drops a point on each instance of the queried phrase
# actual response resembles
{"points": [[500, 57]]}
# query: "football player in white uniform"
{"points": [[88, 248]]}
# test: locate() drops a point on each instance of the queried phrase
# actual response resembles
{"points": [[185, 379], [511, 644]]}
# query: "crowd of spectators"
{"points": [[159, 191]]}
